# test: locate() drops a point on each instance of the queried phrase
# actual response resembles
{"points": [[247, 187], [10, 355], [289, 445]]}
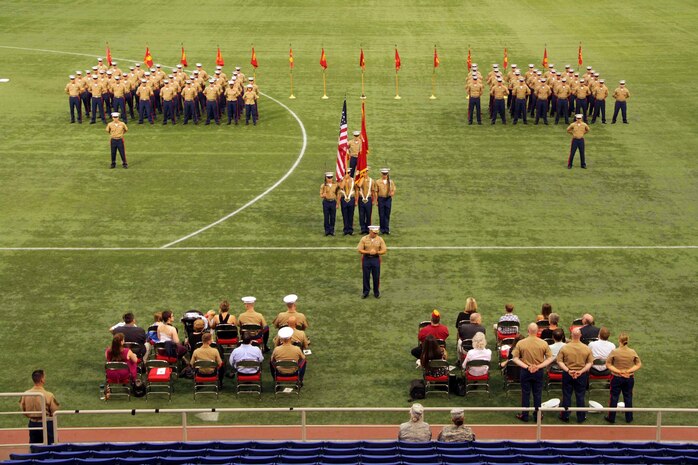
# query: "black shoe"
{"points": [[112, 166], [377, 296], [470, 123], [521, 417], [609, 420], [346, 234], [584, 167], [327, 234], [72, 122], [92, 122], [546, 123], [266, 349], [581, 420], [492, 122], [625, 122], [364, 296], [525, 122], [514, 123], [125, 166], [480, 123], [207, 123], [613, 122], [140, 122], [563, 419], [603, 122]]}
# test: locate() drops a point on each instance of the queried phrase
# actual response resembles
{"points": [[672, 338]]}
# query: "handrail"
{"points": [[184, 412], [42, 398]]}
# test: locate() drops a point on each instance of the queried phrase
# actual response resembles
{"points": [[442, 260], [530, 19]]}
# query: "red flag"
{"points": [[183, 59], [323, 59], [579, 55], [470, 60], [148, 59], [290, 57], [219, 58], [545, 58], [506, 58], [253, 60], [437, 62], [362, 162], [362, 61], [398, 63], [109, 55], [342, 145]]}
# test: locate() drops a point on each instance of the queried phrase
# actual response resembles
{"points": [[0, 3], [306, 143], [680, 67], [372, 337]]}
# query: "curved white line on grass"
{"points": [[263, 194], [248, 204]]}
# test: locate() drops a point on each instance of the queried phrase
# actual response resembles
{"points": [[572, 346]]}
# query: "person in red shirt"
{"points": [[435, 329]]}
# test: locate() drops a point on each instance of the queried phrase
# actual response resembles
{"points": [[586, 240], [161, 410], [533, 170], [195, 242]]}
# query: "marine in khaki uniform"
{"points": [[543, 92], [385, 191], [167, 94], [232, 92], [366, 197], [532, 354], [32, 403], [578, 129], [74, 89], [562, 92], [474, 91], [250, 99], [299, 338], [353, 151], [84, 92], [347, 201], [287, 351], [499, 94], [95, 89], [623, 362], [145, 108], [581, 93], [291, 310], [371, 247], [211, 93], [118, 91], [252, 317], [329, 193], [575, 360], [520, 93], [101, 66], [116, 130], [600, 94], [621, 94]]}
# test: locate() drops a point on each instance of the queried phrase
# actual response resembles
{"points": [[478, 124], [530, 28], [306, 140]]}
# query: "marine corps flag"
{"points": [[469, 61], [148, 58], [108, 55], [362, 60], [362, 162], [253, 60], [506, 58], [183, 58], [219, 58], [437, 62], [323, 59], [545, 58], [290, 58], [579, 55], [398, 63]]}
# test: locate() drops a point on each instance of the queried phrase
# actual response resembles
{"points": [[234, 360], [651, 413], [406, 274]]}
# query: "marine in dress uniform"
{"points": [[371, 247], [250, 98], [145, 108], [366, 190], [329, 191], [116, 130], [622, 362], [385, 190], [347, 199], [577, 129], [231, 101], [353, 151], [621, 95], [499, 94], [253, 317], [189, 95], [118, 90], [543, 92], [582, 92], [167, 94], [520, 93], [73, 89], [211, 94], [84, 93], [474, 91], [562, 92], [95, 89], [600, 94], [575, 360]]}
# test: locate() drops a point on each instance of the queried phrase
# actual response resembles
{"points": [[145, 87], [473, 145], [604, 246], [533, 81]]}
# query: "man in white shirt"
{"points": [[558, 335], [246, 351], [602, 348]]}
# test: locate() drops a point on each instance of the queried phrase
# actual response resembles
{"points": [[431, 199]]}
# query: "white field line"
{"points": [[344, 248], [248, 204]]}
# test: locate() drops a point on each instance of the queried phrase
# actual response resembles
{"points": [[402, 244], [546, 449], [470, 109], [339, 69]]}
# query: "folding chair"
{"points": [[465, 346], [512, 377], [287, 383], [159, 378], [249, 383], [599, 379], [137, 348], [436, 384], [506, 335], [227, 338], [554, 376], [161, 354], [254, 330], [504, 348], [424, 323], [205, 383], [119, 385], [542, 324], [476, 382], [577, 323]]}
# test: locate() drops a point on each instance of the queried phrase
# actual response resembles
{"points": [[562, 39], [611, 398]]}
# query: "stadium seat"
{"points": [[457, 457], [419, 459], [387, 459], [436, 384], [257, 459], [287, 383], [139, 461], [475, 383], [339, 459], [205, 384], [301, 452], [119, 383], [581, 459], [600, 380], [159, 378], [252, 383]]}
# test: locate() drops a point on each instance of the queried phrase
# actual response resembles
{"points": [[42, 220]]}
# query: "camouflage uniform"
{"points": [[415, 431], [453, 433]]}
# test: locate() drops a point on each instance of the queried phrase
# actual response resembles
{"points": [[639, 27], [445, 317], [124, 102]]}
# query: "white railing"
{"points": [[41, 412]]}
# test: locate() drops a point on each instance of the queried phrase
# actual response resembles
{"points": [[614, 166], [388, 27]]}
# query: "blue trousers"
{"points": [[119, 105], [212, 111], [249, 111], [145, 110], [168, 111], [97, 105], [329, 211], [579, 387], [118, 145], [582, 107], [499, 110], [599, 109], [85, 97], [371, 268], [520, 109], [577, 144], [384, 206], [622, 107], [621, 385], [190, 111], [562, 109], [348, 214], [352, 165], [232, 111], [365, 214], [37, 436], [474, 107], [531, 383], [542, 110], [74, 103]]}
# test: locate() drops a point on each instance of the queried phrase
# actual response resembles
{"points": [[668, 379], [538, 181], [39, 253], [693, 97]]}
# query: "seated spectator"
{"points": [[470, 308], [118, 353], [196, 335], [545, 311], [208, 353], [508, 316], [431, 350], [478, 352], [517, 338], [132, 333], [415, 430], [554, 320], [224, 316], [282, 318], [168, 333], [191, 316], [469, 331], [435, 328], [287, 351], [246, 351], [558, 336], [457, 432], [601, 349], [299, 338], [151, 336], [589, 331], [252, 317]]}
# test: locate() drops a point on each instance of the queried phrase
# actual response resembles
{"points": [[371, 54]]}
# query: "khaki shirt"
{"points": [[532, 350], [366, 190], [563, 90], [578, 129], [328, 191], [209, 354], [73, 89], [346, 189], [119, 89], [575, 355], [95, 88], [521, 91], [582, 91], [543, 91], [499, 91], [231, 93], [167, 93], [202, 74], [298, 336], [623, 358], [621, 94], [144, 92], [476, 89], [282, 319], [287, 352], [189, 93], [116, 129], [601, 92], [33, 404], [372, 245], [354, 147], [383, 190], [251, 318], [250, 97], [211, 93]]}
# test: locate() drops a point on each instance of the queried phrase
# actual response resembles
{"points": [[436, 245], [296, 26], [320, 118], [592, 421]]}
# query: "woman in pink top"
{"points": [[118, 353]]}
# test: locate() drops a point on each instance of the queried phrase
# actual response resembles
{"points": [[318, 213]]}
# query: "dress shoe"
{"points": [[521, 417], [364, 296]]}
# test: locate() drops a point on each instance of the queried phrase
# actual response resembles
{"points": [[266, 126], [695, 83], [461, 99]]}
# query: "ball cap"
{"points": [[249, 299], [286, 332], [435, 313], [116, 114], [374, 227], [290, 299], [579, 116]]}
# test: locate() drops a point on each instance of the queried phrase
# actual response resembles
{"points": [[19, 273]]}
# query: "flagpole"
{"points": [[397, 86], [433, 85], [324, 85], [292, 96], [363, 94]]}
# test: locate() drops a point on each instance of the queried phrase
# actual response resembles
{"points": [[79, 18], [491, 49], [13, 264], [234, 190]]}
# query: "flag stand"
{"points": [[433, 85], [324, 86], [397, 87], [292, 96], [363, 94]]}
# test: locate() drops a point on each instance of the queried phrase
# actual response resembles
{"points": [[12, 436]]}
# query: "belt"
{"points": [[117, 138], [372, 256]]}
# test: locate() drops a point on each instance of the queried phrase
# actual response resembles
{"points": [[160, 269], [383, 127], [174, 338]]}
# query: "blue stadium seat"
{"points": [[139, 461], [491, 445], [476, 449], [209, 460], [419, 459], [415, 445], [537, 458], [453, 447], [667, 460], [460, 458], [422, 450], [379, 459], [20, 462], [156, 445], [340, 459], [294, 451], [344, 445], [97, 461], [165, 460], [57, 461], [329, 451], [380, 451], [233, 454], [581, 459], [109, 454], [297, 459], [234, 445], [521, 445], [51, 448], [258, 459], [30, 456], [506, 459]]}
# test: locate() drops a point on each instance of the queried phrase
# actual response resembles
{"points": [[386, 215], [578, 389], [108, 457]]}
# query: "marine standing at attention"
{"points": [[73, 89], [365, 199], [577, 129], [116, 130], [371, 248], [385, 190], [347, 199], [328, 194], [474, 91], [353, 151], [621, 95]]}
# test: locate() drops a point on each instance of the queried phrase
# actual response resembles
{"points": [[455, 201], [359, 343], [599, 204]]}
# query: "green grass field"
{"points": [[458, 185]]}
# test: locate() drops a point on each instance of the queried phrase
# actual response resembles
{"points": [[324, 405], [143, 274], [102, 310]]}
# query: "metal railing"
{"points": [[303, 411], [41, 412]]}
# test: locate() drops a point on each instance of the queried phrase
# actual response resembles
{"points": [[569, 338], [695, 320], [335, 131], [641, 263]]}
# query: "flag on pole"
{"points": [[362, 61], [290, 58], [342, 145], [398, 63], [253, 60], [579, 55], [219, 58], [183, 58], [545, 58], [109, 55], [506, 58], [469, 62], [437, 62], [148, 59], [323, 59], [362, 162]]}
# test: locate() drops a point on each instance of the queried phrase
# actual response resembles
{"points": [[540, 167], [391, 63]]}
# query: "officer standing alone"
{"points": [[371, 247], [577, 129], [621, 95]]}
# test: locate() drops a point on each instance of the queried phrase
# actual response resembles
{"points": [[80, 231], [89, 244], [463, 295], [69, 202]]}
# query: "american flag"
{"points": [[342, 145]]}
